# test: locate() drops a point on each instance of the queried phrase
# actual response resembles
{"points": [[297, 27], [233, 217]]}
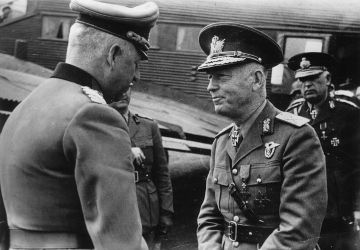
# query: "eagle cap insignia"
{"points": [[270, 149], [94, 95], [216, 45], [304, 64]]}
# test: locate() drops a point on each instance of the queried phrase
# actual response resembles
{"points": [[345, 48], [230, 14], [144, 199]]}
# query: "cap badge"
{"points": [[270, 149], [139, 39], [216, 45], [304, 64]]}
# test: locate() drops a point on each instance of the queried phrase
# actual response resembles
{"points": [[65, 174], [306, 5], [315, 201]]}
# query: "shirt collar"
{"points": [[74, 74]]}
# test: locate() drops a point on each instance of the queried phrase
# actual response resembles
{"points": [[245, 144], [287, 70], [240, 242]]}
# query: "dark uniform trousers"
{"points": [[279, 169], [153, 183], [337, 123], [66, 174]]}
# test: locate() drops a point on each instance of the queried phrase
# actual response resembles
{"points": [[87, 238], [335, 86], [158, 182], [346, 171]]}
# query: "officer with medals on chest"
{"points": [[66, 175], [337, 124], [266, 188], [152, 177]]}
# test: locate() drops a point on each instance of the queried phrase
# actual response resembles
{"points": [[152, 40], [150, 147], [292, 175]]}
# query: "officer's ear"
{"points": [[327, 76], [113, 52], [259, 80]]}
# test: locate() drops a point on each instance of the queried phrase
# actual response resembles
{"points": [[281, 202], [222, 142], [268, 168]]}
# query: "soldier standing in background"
{"points": [[266, 187], [337, 123], [66, 175], [152, 177]]}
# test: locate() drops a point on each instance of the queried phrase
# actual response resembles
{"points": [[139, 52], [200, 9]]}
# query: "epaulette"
{"points": [[348, 102], [295, 120], [224, 130], [145, 117], [94, 95], [296, 103]]}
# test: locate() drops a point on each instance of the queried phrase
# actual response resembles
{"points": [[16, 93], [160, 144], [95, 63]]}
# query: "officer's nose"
{"points": [[212, 86]]}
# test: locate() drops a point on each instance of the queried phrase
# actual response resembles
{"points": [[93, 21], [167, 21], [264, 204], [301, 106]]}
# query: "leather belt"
{"points": [[141, 176], [33, 239], [247, 233]]}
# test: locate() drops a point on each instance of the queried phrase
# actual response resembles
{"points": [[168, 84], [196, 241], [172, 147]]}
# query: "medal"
{"points": [[235, 137], [313, 114], [335, 142]]}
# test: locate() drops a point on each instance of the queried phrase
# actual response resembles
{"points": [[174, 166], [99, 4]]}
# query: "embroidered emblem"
{"points": [[304, 64], [139, 39], [270, 149], [216, 45], [94, 95], [235, 137], [266, 126], [332, 104], [335, 142]]}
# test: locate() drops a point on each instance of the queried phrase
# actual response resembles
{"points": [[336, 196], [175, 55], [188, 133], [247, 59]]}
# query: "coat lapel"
{"points": [[133, 125], [230, 149], [253, 139]]}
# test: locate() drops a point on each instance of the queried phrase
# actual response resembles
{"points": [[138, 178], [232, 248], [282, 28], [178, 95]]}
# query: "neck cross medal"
{"points": [[235, 138]]}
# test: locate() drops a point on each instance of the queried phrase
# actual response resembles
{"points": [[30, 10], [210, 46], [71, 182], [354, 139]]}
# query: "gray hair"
{"points": [[87, 44]]}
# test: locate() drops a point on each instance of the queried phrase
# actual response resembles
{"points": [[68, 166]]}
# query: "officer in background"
{"points": [[66, 175], [266, 187], [336, 122], [152, 177]]}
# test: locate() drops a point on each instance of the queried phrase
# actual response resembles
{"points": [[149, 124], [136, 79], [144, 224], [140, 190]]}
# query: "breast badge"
{"points": [[270, 149]]}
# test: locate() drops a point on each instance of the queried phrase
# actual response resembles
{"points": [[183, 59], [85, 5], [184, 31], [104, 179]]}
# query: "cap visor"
{"points": [[219, 62], [308, 73]]}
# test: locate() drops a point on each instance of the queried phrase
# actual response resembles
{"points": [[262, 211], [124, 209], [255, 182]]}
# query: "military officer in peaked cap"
{"points": [[266, 187], [337, 123], [66, 174]]}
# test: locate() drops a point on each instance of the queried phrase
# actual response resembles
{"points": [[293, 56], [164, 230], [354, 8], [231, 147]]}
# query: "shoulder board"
{"points": [[292, 119], [347, 102], [296, 103], [145, 117], [224, 130], [94, 95]]}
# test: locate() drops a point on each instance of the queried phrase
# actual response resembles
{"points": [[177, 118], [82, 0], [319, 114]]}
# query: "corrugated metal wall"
{"points": [[174, 69]]}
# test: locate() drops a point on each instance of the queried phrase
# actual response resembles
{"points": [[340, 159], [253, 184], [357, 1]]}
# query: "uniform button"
{"points": [[236, 244], [259, 180], [234, 171], [215, 180], [250, 233], [236, 218]]}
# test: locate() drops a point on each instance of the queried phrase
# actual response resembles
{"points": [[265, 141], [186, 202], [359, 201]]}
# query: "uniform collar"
{"points": [[74, 74]]}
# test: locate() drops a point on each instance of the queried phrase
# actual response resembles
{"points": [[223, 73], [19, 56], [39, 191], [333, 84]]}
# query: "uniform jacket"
{"points": [[292, 179], [155, 198], [60, 151], [338, 126]]}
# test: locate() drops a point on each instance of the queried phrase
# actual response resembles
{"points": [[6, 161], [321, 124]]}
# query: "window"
{"points": [[55, 27], [154, 37], [187, 38], [296, 45]]}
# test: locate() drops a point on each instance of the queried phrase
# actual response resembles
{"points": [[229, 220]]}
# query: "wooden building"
{"points": [[331, 26]]}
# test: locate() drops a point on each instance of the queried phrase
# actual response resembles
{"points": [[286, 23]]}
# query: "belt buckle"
{"points": [[136, 174], [233, 228]]}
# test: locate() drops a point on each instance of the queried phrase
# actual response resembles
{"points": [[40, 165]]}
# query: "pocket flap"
{"points": [[143, 142], [265, 173], [220, 176]]}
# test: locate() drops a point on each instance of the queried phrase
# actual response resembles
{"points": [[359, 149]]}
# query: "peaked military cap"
{"points": [[311, 63], [132, 24], [228, 43]]}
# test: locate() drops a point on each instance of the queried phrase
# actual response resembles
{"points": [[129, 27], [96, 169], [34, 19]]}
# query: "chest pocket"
{"points": [[263, 186], [221, 184]]}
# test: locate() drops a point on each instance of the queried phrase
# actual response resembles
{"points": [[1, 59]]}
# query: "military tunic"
{"points": [[154, 194], [337, 123], [66, 173], [283, 182]]}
